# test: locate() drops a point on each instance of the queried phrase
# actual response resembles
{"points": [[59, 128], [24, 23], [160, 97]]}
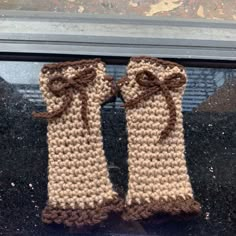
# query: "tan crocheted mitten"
{"points": [[158, 179], [79, 189]]}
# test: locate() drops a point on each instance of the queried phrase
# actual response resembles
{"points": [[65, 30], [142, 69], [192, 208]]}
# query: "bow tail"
{"points": [[172, 113], [84, 108]]}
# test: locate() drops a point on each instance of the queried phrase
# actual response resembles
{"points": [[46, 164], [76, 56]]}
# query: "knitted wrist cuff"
{"points": [[158, 179], [79, 189]]}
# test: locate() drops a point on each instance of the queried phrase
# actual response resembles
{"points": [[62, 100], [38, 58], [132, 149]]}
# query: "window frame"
{"points": [[215, 40]]}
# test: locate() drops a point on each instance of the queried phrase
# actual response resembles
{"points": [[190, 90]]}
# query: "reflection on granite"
{"points": [[210, 153]]}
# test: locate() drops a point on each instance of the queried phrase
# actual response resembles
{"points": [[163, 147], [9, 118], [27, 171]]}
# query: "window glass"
{"points": [[200, 9], [209, 108]]}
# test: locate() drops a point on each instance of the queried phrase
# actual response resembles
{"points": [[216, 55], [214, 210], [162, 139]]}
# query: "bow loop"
{"points": [[58, 85], [146, 78], [82, 79], [152, 85], [175, 81]]}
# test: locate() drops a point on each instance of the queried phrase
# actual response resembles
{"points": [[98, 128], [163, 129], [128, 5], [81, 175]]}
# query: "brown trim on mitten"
{"points": [[50, 68], [178, 206], [81, 216], [157, 62]]}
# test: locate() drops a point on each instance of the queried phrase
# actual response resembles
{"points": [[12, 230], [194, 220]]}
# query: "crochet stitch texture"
{"points": [[158, 178], [79, 190]]}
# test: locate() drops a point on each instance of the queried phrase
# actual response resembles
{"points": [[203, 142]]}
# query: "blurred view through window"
{"points": [[189, 9]]}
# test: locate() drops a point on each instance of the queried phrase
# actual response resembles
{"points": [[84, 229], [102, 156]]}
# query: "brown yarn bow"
{"points": [[153, 85], [60, 86]]}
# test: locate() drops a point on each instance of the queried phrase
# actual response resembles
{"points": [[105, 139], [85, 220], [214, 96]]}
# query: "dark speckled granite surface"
{"points": [[210, 153]]}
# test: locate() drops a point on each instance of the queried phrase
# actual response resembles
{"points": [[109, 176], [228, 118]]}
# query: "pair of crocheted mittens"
{"points": [[79, 189]]}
